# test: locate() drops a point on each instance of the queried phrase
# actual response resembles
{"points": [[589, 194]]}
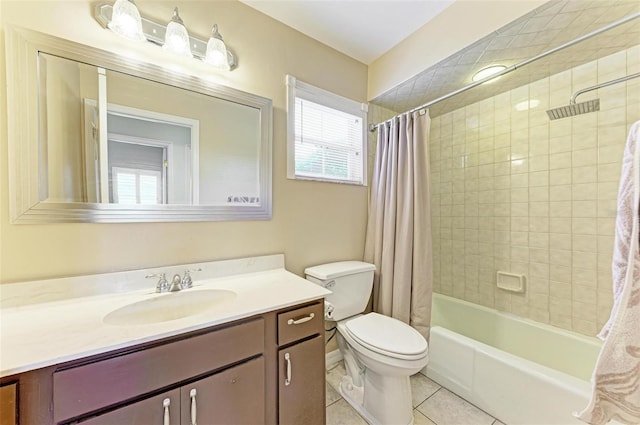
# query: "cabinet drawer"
{"points": [[300, 323], [91, 387]]}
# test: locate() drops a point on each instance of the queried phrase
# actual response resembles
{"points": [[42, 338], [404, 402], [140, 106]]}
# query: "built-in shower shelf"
{"points": [[510, 281]]}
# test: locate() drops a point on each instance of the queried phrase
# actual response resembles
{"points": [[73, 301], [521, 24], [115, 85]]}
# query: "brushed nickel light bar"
{"points": [[155, 32]]}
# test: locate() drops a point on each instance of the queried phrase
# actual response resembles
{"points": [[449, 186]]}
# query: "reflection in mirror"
{"points": [[96, 137], [160, 141]]}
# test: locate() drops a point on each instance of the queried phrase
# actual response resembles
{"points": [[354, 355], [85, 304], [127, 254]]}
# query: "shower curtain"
{"points": [[616, 378], [398, 239]]}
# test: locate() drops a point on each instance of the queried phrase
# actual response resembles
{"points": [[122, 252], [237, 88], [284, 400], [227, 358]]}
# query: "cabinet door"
{"points": [[8, 398], [302, 383], [163, 409], [234, 396]]}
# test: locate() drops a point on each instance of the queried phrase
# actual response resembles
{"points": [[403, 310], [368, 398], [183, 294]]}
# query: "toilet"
{"points": [[380, 353]]}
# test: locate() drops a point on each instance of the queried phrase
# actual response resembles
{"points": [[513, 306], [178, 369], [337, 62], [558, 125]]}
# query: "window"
{"points": [[326, 135], [134, 186]]}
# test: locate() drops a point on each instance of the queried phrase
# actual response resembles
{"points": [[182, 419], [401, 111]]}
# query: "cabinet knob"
{"points": [[165, 404], [300, 320], [287, 359], [194, 408]]}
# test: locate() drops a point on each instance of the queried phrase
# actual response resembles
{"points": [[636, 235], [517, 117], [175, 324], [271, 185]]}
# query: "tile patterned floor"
{"points": [[432, 404]]}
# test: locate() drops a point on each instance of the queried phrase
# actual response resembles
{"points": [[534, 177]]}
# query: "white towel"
{"points": [[616, 378]]}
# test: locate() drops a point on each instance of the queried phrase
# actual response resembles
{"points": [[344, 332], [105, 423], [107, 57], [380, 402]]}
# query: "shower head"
{"points": [[583, 107], [574, 109]]}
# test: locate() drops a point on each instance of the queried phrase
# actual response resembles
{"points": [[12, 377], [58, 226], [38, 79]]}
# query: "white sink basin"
{"points": [[170, 306]]}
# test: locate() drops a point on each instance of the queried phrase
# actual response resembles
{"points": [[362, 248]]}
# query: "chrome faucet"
{"points": [[162, 285], [187, 282], [177, 283]]}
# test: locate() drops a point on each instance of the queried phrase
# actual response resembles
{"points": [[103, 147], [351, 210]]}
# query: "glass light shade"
{"points": [[488, 71], [176, 38], [126, 21], [216, 51]]}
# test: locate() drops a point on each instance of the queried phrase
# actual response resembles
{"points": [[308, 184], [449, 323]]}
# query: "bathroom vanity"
{"points": [[256, 359]]}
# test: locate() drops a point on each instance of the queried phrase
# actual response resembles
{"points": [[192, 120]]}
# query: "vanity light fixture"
{"points": [[172, 37], [487, 72], [176, 38], [126, 20]]}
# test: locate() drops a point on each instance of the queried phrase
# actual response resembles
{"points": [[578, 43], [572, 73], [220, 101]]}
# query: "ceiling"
{"points": [[361, 29], [365, 29]]}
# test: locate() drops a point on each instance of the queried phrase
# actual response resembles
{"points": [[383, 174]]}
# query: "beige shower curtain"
{"points": [[398, 239]]}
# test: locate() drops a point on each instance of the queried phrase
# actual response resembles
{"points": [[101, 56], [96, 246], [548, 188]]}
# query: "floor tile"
{"points": [[335, 374], [420, 419], [422, 388], [331, 395], [446, 408], [497, 422], [341, 413]]}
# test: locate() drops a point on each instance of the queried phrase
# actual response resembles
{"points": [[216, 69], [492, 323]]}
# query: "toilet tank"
{"points": [[350, 282]]}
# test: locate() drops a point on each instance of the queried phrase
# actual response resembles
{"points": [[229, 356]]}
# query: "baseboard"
{"points": [[332, 358]]}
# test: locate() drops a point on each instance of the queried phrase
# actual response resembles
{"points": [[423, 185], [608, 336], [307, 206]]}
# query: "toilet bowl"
{"points": [[381, 391], [380, 353]]}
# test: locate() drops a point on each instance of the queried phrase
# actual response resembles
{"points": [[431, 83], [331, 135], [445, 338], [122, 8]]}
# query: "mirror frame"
{"points": [[22, 49]]}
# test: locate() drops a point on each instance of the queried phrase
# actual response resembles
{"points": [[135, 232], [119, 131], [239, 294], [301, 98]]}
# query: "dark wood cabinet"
{"points": [[301, 371], [301, 386]]}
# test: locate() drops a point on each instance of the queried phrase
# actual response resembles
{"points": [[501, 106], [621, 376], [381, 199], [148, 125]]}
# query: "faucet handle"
{"points": [[187, 282], [162, 285]]}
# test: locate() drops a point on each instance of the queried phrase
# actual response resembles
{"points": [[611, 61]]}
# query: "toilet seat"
{"points": [[387, 336]]}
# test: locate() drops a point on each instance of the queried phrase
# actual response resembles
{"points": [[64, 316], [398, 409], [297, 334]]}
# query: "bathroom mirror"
{"points": [[94, 137]]}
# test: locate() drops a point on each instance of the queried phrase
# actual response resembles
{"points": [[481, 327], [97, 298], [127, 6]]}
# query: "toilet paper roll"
{"points": [[328, 310]]}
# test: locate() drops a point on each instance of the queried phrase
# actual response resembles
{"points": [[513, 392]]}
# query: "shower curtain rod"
{"points": [[373, 127]]}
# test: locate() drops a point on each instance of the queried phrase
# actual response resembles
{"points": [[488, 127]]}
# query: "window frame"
{"points": [[306, 91]]}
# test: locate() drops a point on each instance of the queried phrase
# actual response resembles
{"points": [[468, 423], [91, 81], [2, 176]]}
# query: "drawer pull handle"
{"points": [[165, 403], [194, 408], [300, 320], [287, 358]]}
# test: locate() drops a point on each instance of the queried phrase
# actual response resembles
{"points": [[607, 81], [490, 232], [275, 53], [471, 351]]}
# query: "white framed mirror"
{"points": [[95, 137]]}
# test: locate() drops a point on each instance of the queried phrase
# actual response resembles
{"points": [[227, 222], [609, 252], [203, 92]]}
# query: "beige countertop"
{"points": [[46, 333]]}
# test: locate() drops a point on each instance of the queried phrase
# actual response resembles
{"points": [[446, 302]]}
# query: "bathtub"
{"points": [[517, 370]]}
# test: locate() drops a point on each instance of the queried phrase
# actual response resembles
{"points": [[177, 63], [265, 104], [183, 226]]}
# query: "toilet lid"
{"points": [[385, 334]]}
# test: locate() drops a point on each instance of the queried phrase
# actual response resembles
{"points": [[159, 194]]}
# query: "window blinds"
{"points": [[326, 135]]}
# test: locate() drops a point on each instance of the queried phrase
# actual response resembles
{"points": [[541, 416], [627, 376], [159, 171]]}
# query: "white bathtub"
{"points": [[517, 370]]}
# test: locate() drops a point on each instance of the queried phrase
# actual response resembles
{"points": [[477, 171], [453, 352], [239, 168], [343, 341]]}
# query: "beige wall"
{"points": [[513, 191], [454, 29], [312, 222]]}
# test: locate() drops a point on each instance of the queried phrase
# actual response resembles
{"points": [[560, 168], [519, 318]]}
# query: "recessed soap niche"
{"points": [[510, 281]]}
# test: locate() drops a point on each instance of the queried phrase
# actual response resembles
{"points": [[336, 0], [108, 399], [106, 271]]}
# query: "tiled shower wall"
{"points": [[514, 191]]}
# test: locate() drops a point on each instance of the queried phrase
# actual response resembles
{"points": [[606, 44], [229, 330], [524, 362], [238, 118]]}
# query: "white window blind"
{"points": [[134, 186], [326, 135]]}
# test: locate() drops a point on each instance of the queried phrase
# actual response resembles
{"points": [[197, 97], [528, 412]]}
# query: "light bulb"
{"points": [[126, 21], [216, 51], [176, 39]]}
